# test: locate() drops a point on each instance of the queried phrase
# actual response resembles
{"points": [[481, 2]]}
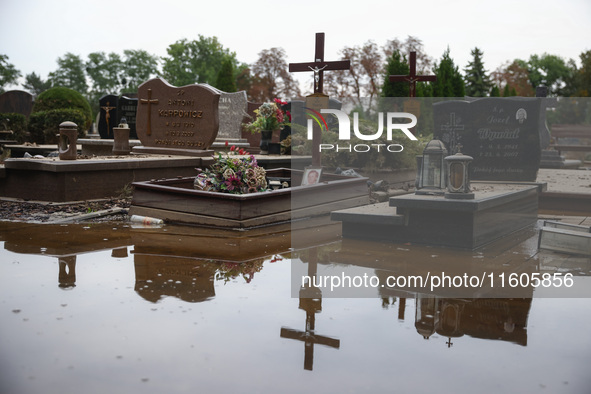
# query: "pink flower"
{"points": [[232, 183], [226, 143]]}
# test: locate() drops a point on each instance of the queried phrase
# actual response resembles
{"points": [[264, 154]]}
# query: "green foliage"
{"points": [[582, 77], [64, 98], [105, 72], [139, 66], [397, 65], [35, 85], [226, 81], [196, 61], [478, 82], [551, 71], [70, 73], [449, 80], [44, 125], [15, 122], [8, 74], [495, 91]]}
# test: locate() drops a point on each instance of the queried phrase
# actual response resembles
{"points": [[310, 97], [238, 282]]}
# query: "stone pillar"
{"points": [[67, 141]]}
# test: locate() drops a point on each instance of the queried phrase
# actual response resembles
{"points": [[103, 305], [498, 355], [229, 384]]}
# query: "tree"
{"points": [[70, 73], [271, 76], [105, 73], [516, 76], [8, 73], [495, 91], [549, 70], [424, 62], [138, 67], [35, 85], [196, 61], [478, 83], [397, 65], [449, 80], [226, 80], [582, 80]]}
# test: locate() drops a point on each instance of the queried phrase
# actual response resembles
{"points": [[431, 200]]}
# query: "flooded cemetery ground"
{"points": [[121, 308]]}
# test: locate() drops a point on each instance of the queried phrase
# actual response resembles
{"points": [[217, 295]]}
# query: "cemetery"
{"points": [[210, 208]]}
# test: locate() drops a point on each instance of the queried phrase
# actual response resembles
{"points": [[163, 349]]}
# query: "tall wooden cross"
{"points": [[149, 101], [412, 78], [319, 66]]}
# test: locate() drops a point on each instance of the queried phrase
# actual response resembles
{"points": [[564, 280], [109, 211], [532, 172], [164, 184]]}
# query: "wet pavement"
{"points": [[121, 308]]}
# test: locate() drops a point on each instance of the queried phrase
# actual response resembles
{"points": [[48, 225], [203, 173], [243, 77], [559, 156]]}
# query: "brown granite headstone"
{"points": [[16, 101], [176, 118]]}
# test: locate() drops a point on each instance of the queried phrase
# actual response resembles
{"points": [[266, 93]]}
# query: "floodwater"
{"points": [[108, 308]]}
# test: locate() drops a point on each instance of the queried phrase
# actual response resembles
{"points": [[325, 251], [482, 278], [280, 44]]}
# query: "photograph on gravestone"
{"points": [[501, 134], [172, 117], [128, 110], [16, 101], [108, 115]]}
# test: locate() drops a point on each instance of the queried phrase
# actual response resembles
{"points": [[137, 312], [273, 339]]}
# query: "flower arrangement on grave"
{"points": [[232, 174], [269, 117]]}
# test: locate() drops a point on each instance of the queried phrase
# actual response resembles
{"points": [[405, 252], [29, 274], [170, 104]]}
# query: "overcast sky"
{"points": [[34, 33]]}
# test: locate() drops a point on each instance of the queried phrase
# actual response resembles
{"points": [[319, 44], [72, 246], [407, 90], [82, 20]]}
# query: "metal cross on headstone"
{"points": [[412, 77], [107, 108], [319, 66], [149, 101]]}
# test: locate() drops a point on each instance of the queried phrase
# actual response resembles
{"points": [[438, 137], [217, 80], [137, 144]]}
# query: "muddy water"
{"points": [[107, 308]]}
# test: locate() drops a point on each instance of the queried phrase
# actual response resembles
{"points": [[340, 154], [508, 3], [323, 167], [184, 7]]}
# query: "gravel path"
{"points": [[22, 211]]}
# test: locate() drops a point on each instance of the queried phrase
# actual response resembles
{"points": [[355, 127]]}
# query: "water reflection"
{"points": [[128, 285]]}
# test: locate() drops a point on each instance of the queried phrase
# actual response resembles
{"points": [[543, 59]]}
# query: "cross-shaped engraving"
{"points": [[319, 65], [449, 134], [412, 77], [107, 110], [149, 101]]}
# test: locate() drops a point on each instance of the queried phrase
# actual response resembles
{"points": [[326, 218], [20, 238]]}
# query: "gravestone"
{"points": [[108, 115], [174, 119], [128, 109], [501, 134], [232, 111], [16, 101]]}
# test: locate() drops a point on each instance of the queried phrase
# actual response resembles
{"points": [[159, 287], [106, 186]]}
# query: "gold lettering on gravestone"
{"points": [[178, 128], [149, 101]]}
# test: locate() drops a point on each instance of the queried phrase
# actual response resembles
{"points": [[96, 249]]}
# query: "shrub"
{"points": [[64, 98], [44, 126], [15, 122]]}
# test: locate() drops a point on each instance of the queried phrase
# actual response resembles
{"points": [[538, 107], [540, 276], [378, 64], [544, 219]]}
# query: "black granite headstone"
{"points": [[16, 101], [128, 109], [501, 134], [109, 115]]}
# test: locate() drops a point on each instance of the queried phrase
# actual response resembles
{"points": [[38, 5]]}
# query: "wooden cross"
{"points": [[149, 101], [319, 66], [412, 77], [311, 302], [108, 109]]}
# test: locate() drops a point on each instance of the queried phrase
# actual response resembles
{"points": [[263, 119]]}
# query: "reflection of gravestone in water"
{"points": [[501, 134]]}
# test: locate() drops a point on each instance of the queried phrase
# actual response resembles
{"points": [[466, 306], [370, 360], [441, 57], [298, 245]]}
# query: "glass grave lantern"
{"points": [[432, 172], [458, 177]]}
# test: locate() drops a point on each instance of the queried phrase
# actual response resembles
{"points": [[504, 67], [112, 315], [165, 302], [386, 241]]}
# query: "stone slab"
{"points": [[102, 147], [377, 214], [76, 180]]}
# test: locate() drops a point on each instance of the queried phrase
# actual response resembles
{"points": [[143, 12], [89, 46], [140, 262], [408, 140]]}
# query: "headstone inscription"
{"points": [[16, 101], [501, 134], [109, 115], [176, 118], [128, 109]]}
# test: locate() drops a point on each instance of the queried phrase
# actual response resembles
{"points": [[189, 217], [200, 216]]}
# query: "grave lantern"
{"points": [[432, 178], [458, 177]]}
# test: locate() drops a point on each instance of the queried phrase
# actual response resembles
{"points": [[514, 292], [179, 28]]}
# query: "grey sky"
{"points": [[34, 33]]}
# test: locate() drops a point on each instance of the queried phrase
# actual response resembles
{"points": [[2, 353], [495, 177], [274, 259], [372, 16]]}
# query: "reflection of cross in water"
{"points": [[311, 302], [450, 135], [108, 109], [412, 78], [449, 343], [149, 101], [319, 65]]}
